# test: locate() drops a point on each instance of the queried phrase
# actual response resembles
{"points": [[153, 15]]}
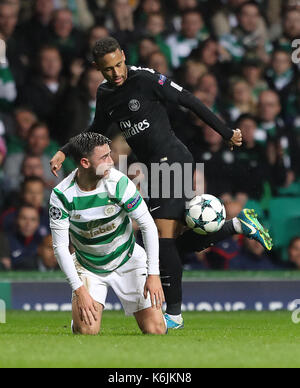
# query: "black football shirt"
{"points": [[138, 106]]}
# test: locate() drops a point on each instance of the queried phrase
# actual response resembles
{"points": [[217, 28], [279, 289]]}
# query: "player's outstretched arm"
{"points": [[188, 100], [167, 90]]}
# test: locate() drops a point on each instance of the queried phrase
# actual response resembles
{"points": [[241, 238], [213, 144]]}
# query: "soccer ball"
{"points": [[206, 214]]}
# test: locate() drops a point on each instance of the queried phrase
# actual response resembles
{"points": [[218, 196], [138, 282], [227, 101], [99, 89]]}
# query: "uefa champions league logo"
{"points": [[2, 52]]}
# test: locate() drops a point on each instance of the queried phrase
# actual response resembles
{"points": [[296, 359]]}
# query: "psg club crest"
{"points": [[134, 105]]}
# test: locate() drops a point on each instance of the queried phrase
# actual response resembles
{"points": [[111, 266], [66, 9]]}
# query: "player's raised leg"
{"points": [[245, 223]]}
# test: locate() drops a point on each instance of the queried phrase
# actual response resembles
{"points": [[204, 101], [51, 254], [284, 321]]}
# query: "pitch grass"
{"points": [[240, 339]]}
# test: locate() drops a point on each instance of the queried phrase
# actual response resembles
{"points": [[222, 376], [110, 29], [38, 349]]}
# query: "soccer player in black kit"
{"points": [[134, 98]]}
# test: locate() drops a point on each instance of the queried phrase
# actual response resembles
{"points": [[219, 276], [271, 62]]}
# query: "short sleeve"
{"points": [[163, 88], [58, 215], [129, 198]]}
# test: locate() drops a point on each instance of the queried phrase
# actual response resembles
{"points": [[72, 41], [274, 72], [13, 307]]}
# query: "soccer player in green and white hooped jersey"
{"points": [[95, 205]]}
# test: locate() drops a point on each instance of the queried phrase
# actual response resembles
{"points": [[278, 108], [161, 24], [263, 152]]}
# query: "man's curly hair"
{"points": [[105, 46], [83, 145]]}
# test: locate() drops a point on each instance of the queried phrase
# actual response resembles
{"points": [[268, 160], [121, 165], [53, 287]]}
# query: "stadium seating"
{"points": [[284, 217]]}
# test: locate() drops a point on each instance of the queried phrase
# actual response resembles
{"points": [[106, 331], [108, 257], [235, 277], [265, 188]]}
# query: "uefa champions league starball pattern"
{"points": [[206, 214]]}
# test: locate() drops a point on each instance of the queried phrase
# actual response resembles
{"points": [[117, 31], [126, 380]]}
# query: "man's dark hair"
{"points": [[105, 46], [250, 2], [31, 179], [38, 124], [81, 146], [25, 205], [245, 116]]}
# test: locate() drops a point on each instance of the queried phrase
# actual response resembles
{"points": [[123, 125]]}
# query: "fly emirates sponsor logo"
{"points": [[130, 129]]}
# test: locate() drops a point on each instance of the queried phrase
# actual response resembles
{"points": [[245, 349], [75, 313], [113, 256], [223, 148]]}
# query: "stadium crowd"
{"points": [[239, 57]]}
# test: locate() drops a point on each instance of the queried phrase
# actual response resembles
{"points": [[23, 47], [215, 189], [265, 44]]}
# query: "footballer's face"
{"points": [[113, 67], [100, 162]]}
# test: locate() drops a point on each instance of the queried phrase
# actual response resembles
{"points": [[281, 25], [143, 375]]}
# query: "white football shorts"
{"points": [[127, 282]]}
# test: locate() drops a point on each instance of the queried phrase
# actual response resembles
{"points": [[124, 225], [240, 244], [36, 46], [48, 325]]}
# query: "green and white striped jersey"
{"points": [[98, 221]]}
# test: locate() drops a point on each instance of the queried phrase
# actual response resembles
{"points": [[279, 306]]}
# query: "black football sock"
{"points": [[171, 274], [193, 242]]}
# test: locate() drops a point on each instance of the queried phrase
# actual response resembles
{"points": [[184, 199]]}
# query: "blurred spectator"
{"points": [[16, 50], [24, 120], [295, 146], [46, 259], [32, 192], [24, 239], [281, 76], [155, 29], [253, 166], [80, 104], [225, 19], [37, 143], [192, 73], [32, 166], [270, 123], [145, 47], [94, 34], [6, 124], [82, 16], [272, 130], [122, 16], [294, 253], [181, 7], [218, 161], [193, 31], [209, 93], [65, 37], [291, 29], [159, 63], [121, 22], [44, 93], [241, 100], [37, 30], [210, 52], [148, 7], [253, 257], [247, 37], [5, 262], [252, 70]]}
